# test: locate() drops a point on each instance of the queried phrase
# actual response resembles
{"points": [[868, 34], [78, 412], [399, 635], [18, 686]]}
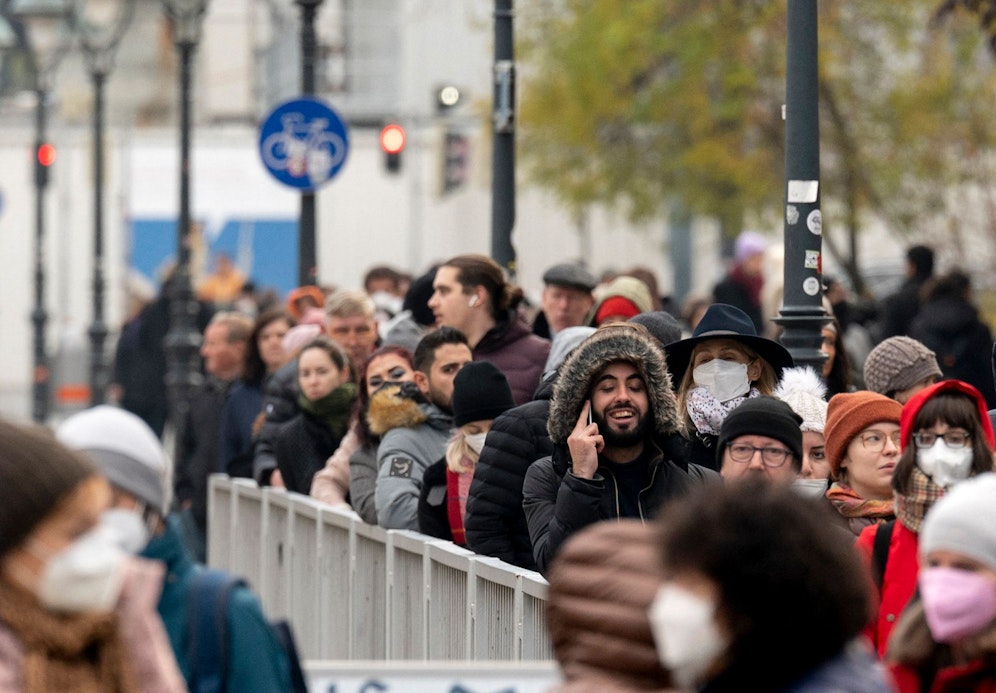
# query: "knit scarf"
{"points": [[65, 652], [859, 512], [913, 506], [334, 408], [708, 413]]}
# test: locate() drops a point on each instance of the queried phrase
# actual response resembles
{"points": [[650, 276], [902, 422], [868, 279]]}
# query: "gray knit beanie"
{"points": [[124, 448], [964, 521], [897, 364]]}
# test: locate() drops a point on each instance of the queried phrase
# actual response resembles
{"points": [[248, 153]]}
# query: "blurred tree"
{"points": [[634, 103]]}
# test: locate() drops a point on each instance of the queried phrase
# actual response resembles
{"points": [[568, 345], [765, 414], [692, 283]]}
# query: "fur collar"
{"points": [[394, 407], [620, 342]]}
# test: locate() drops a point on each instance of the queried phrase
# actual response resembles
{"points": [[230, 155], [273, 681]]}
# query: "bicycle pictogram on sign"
{"points": [[303, 143]]}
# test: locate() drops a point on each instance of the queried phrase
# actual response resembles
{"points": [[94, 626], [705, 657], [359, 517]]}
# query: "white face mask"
{"points": [[945, 465], [724, 379], [475, 441], [86, 576], [688, 641], [810, 488], [127, 529]]}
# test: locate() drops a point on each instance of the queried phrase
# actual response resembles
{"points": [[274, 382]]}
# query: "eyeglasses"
{"points": [[874, 440], [953, 439], [772, 457]]}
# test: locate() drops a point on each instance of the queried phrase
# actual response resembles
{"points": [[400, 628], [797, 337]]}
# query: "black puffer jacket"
{"points": [[556, 502], [495, 523]]}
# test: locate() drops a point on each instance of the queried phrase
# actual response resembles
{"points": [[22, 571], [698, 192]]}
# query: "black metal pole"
{"points": [[98, 328], [41, 375], [306, 244], [802, 315], [183, 339], [503, 145]]}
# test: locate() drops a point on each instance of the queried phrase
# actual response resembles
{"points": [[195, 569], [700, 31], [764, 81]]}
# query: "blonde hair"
{"points": [[765, 384]]}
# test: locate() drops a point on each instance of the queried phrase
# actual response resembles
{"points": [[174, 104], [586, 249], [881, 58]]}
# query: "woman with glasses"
{"points": [[862, 446], [761, 439], [945, 437]]}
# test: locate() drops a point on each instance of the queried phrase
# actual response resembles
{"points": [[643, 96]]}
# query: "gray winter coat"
{"points": [[402, 457]]}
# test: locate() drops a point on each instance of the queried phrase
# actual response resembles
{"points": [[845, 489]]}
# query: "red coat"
{"points": [[973, 677], [899, 583]]}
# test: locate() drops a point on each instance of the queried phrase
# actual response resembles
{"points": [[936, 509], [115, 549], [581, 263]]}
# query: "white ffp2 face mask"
{"points": [[475, 441], [127, 529], [724, 379], [945, 465], [86, 576], [684, 627]]}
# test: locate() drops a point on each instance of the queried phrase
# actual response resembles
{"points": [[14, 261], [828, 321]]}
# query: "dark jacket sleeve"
{"points": [[280, 406], [433, 519], [183, 482], [556, 507], [495, 523]]}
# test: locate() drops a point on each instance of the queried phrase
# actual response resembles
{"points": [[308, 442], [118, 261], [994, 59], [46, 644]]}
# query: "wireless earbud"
{"points": [[472, 302]]}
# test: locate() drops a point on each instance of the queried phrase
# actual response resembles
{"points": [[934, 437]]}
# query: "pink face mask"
{"points": [[957, 603]]}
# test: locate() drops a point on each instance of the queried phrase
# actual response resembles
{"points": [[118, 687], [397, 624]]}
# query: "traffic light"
{"points": [[392, 141], [44, 158], [456, 153]]}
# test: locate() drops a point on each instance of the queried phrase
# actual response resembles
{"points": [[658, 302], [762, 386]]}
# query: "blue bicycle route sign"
{"points": [[303, 143]]}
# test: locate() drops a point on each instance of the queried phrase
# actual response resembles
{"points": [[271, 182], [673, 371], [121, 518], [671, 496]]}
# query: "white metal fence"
{"points": [[354, 591]]}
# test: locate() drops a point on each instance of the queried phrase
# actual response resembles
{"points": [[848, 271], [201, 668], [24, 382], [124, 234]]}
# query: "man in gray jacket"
{"points": [[424, 425]]}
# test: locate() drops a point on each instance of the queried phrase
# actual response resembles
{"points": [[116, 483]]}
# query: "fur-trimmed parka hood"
{"points": [[395, 407], [618, 342]]}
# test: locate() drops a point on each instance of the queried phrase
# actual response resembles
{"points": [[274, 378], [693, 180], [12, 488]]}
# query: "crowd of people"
{"points": [[776, 527]]}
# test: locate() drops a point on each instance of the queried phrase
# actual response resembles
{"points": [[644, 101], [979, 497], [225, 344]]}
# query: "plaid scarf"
{"points": [[859, 512], [913, 506]]}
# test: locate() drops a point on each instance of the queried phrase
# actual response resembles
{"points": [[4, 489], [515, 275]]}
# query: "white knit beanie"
{"points": [[803, 389], [124, 448], [964, 521]]}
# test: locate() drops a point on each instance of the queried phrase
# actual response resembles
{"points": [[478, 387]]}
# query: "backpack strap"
{"points": [[207, 640], [880, 551]]}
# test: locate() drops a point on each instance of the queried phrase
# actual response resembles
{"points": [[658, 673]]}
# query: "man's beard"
{"points": [[622, 439]]}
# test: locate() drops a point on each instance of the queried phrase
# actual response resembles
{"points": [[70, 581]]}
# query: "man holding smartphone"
{"points": [[617, 450]]}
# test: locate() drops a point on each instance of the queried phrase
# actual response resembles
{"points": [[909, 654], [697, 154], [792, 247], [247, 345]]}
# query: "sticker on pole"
{"points": [[303, 143]]}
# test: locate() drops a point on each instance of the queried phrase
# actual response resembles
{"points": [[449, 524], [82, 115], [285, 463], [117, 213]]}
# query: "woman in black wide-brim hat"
{"points": [[722, 364]]}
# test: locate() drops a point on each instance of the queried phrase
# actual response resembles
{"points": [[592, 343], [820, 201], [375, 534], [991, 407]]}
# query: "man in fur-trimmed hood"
{"points": [[617, 451]]}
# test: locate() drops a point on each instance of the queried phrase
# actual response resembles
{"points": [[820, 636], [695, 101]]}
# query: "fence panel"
{"points": [[496, 596], [450, 570], [368, 587], [335, 567], [356, 592], [535, 637]]}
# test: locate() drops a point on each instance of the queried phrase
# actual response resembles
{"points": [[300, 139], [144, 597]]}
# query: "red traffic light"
{"points": [[46, 154], [392, 138]]}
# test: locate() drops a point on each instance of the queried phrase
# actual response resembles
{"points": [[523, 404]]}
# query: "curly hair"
{"points": [[792, 594]]}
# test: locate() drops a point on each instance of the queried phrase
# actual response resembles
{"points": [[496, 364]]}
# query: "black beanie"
{"points": [[36, 473], [763, 416], [480, 392]]}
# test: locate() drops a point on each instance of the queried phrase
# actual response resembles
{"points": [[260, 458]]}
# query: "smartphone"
{"points": [[590, 418]]}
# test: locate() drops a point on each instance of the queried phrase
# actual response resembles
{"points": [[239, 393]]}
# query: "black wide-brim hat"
{"points": [[722, 321]]}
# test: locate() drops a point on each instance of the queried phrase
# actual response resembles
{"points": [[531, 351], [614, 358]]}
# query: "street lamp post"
{"points": [[307, 265], [183, 339], [802, 314], [503, 145], [101, 28], [47, 26]]}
